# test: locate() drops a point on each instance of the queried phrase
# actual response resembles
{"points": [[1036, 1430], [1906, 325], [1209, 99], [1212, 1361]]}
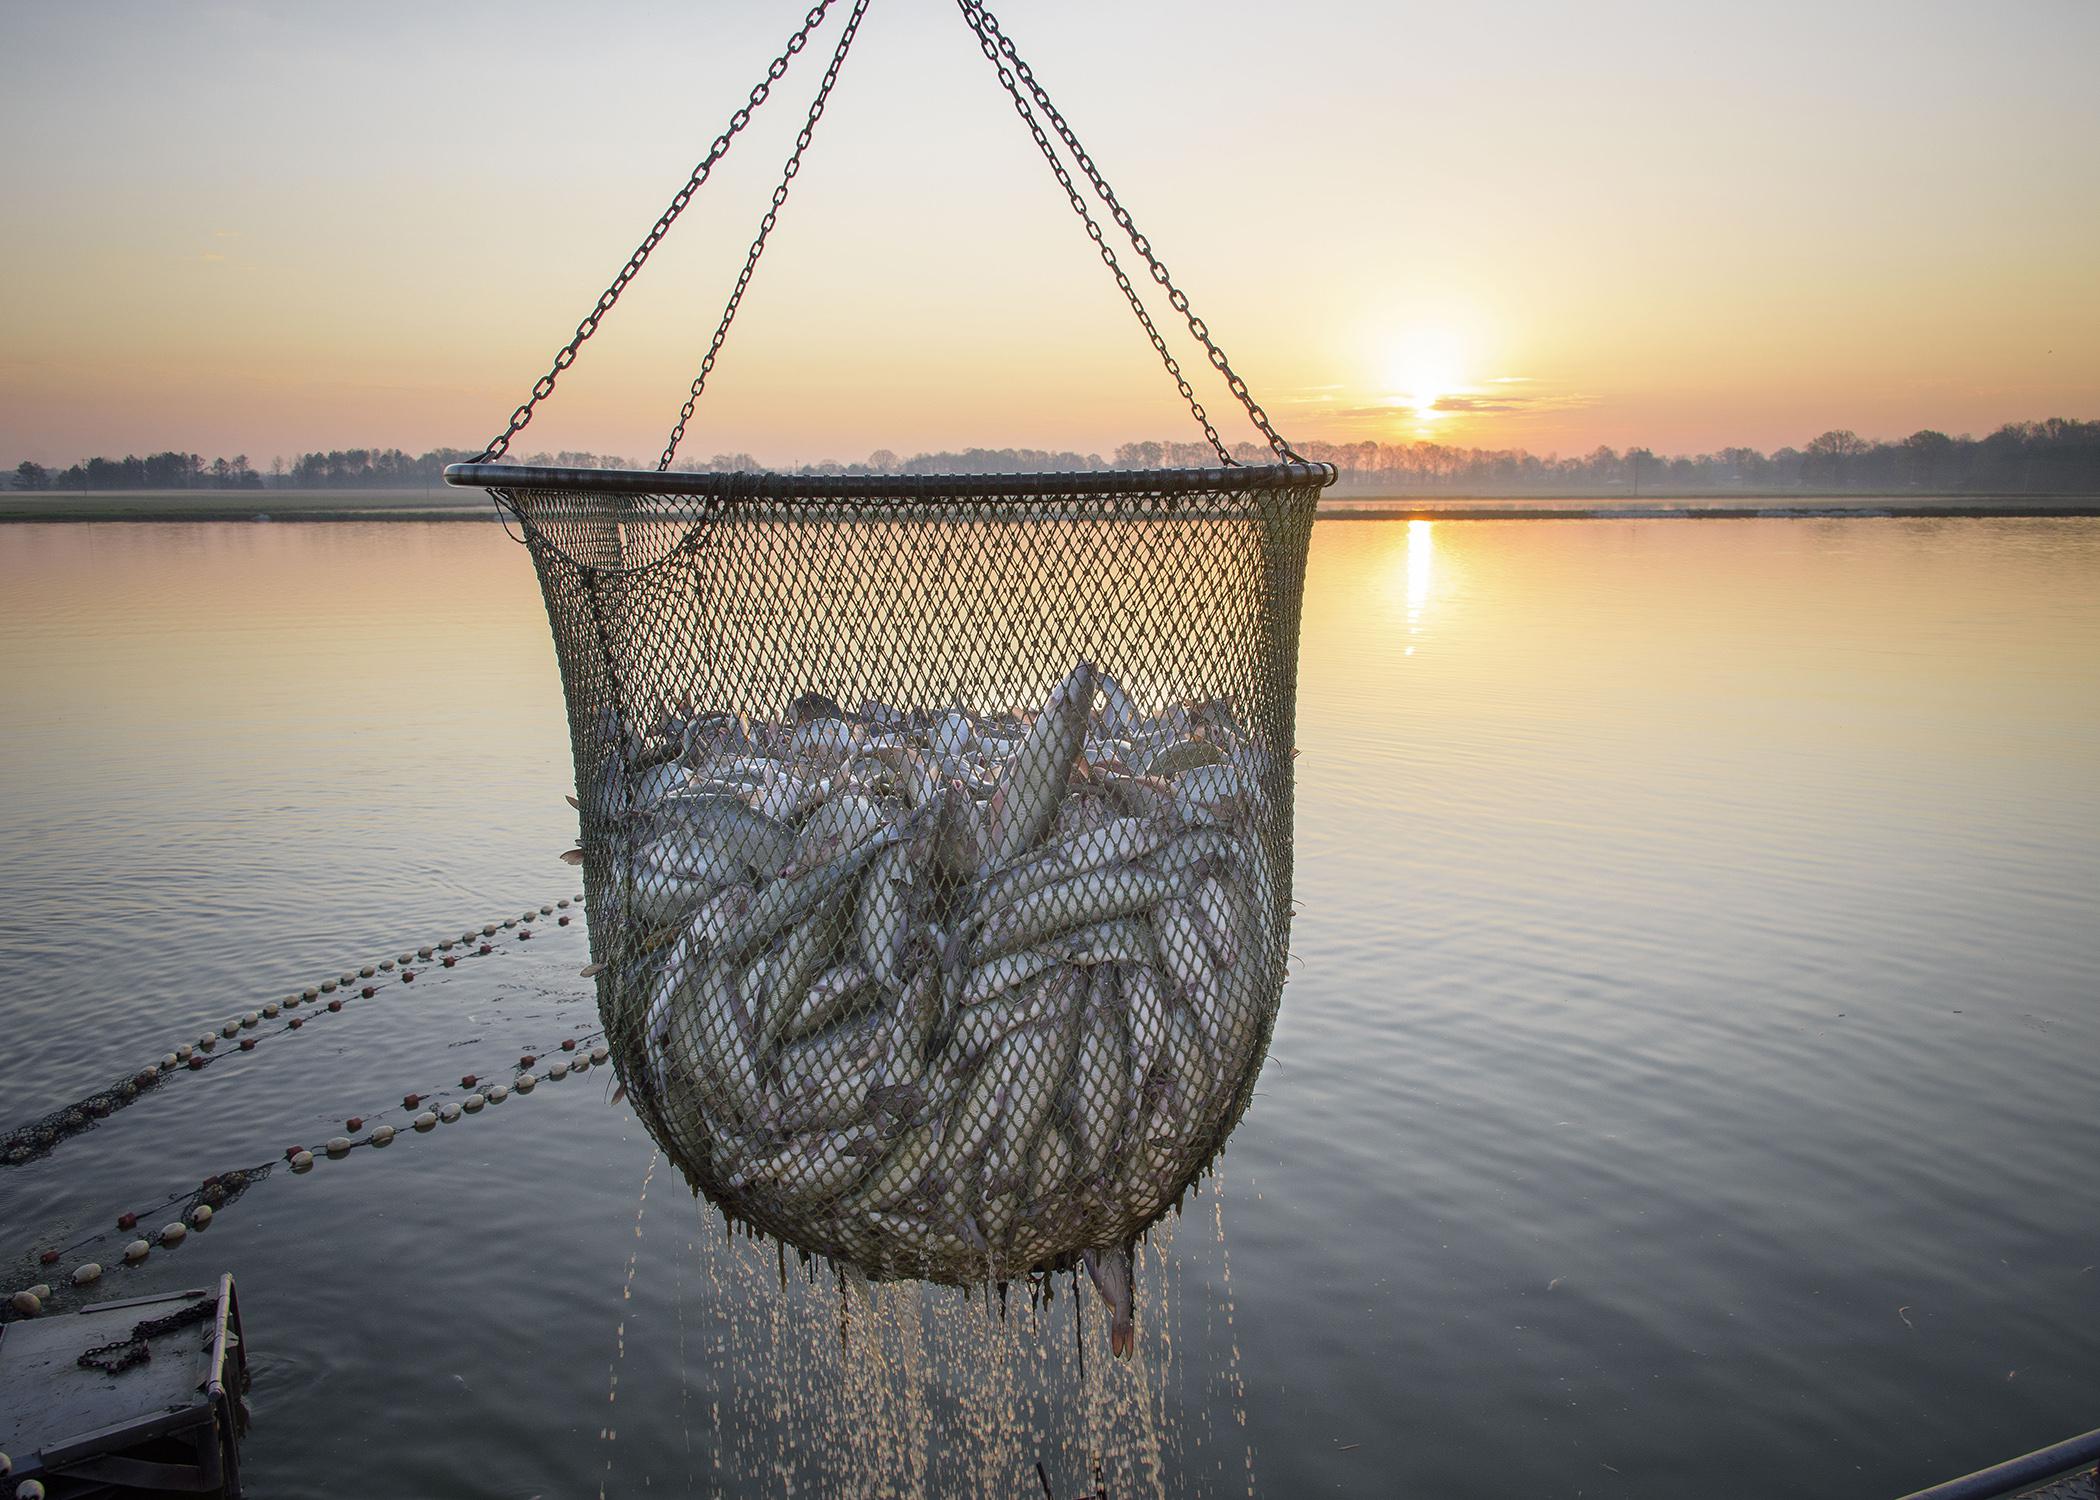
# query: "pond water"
{"points": [[1686, 1079]]}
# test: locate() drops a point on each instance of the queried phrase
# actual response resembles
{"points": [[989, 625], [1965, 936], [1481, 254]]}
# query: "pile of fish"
{"points": [[944, 994]]}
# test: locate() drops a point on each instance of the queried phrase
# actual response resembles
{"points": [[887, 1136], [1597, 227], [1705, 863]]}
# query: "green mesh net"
{"points": [[937, 835]]}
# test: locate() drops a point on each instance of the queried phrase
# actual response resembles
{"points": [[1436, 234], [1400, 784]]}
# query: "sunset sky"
{"points": [[256, 228]]}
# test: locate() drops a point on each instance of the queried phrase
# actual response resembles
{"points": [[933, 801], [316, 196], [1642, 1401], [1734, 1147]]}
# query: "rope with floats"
{"points": [[38, 1138], [199, 1206]]}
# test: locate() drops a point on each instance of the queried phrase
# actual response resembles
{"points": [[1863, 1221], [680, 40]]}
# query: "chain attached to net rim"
{"points": [[1000, 49], [765, 228], [987, 40], [1022, 87], [544, 386]]}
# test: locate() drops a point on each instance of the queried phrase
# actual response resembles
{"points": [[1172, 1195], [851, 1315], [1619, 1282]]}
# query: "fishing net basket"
{"points": [[936, 833], [936, 828]]}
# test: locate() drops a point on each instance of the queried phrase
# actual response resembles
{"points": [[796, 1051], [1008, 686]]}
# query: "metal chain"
{"points": [[765, 228], [988, 39], [544, 386], [125, 1353], [986, 25]]}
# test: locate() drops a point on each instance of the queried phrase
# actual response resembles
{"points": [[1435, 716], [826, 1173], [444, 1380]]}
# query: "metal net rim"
{"points": [[768, 484], [680, 509]]}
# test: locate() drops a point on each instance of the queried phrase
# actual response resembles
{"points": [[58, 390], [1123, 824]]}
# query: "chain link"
{"points": [[765, 228], [544, 386], [125, 1353], [1012, 65]]}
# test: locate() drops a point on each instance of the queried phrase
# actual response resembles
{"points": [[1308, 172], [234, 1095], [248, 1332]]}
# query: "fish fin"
{"points": [[572, 856], [573, 803]]}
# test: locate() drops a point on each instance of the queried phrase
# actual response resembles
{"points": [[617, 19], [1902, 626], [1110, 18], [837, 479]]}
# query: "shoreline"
{"points": [[414, 505]]}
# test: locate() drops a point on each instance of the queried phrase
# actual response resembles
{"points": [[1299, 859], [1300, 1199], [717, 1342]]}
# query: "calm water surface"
{"points": [[1688, 1074]]}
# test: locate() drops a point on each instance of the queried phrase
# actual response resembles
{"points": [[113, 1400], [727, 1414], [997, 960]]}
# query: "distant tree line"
{"points": [[159, 471], [2057, 456]]}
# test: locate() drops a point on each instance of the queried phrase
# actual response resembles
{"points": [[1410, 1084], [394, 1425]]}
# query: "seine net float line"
{"points": [[198, 1208], [31, 1141], [575, 1054]]}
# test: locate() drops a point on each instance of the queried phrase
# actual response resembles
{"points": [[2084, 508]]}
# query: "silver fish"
{"points": [[1117, 713], [783, 901], [1111, 843], [1188, 1059], [835, 994], [1036, 1059], [1183, 952], [1183, 755], [805, 953], [843, 822], [899, 1173], [711, 923], [882, 914], [1145, 1013], [1099, 1088], [1123, 941], [1222, 917], [648, 788], [824, 739], [843, 1051], [953, 734], [1110, 1270], [833, 1103], [986, 1024], [1032, 785], [957, 836], [919, 1235], [1197, 850], [1216, 794], [812, 1168], [989, 980], [1081, 901]]}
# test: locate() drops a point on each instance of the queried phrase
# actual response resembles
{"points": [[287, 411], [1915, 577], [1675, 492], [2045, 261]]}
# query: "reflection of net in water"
{"points": [[938, 842]]}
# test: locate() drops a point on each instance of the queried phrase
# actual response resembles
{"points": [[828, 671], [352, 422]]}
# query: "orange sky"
{"points": [[236, 227]]}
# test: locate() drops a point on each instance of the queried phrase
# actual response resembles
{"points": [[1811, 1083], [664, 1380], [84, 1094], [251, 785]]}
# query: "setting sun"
{"points": [[1423, 369]]}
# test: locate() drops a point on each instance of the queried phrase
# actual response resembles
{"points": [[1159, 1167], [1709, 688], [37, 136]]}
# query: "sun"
{"points": [[1422, 369]]}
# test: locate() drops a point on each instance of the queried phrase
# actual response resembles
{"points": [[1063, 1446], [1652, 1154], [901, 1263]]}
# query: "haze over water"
{"points": [[1681, 1079]]}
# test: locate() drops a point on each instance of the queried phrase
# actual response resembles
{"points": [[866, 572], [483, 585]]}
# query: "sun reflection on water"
{"points": [[1421, 564]]}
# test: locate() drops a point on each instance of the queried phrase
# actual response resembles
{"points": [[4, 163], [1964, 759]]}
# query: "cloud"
{"points": [[1482, 404], [1501, 403]]}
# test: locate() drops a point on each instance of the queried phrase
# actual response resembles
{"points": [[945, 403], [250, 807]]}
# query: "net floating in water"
{"points": [[936, 834]]}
